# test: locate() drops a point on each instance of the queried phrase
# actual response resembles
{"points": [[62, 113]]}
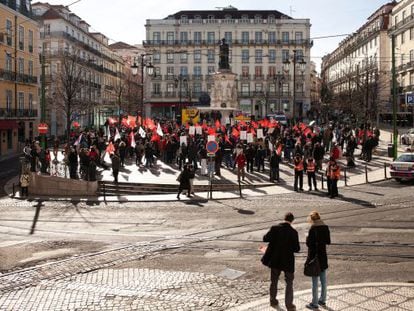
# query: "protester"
{"points": [[116, 164], [316, 241], [298, 168], [241, 163], [310, 171], [332, 174], [184, 180], [279, 256]]}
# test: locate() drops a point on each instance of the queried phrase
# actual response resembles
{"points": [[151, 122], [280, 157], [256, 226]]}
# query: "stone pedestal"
{"points": [[224, 94]]}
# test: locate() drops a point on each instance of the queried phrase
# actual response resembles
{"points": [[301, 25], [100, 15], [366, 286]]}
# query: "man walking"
{"points": [[279, 256]]}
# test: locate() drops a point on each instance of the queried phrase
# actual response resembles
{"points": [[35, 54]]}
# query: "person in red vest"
{"points": [[241, 163], [298, 167], [333, 174], [310, 171]]}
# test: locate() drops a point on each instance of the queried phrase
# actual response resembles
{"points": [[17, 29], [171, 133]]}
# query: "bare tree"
{"points": [[69, 83]]}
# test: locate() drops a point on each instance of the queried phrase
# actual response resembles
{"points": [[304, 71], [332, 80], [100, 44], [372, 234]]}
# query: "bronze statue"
{"points": [[224, 55]]}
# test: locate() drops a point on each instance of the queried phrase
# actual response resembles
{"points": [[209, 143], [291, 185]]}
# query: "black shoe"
{"points": [[322, 304], [178, 197], [312, 306], [274, 304]]}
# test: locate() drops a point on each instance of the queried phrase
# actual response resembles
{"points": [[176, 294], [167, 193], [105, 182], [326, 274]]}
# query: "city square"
{"points": [[235, 158]]}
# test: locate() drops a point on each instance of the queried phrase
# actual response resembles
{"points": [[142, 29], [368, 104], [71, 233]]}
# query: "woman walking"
{"points": [[316, 241], [184, 179]]}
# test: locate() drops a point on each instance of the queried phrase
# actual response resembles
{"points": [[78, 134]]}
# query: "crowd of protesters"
{"points": [[242, 145]]}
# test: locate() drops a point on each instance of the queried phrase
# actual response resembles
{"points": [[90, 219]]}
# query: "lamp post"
{"points": [[179, 82], [150, 71], [278, 79], [286, 65]]}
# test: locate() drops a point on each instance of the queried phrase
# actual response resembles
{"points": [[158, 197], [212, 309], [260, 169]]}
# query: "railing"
{"points": [[14, 113], [302, 42]]}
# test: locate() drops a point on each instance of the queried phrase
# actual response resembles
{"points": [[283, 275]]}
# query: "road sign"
{"points": [[42, 128], [409, 98], [212, 147]]}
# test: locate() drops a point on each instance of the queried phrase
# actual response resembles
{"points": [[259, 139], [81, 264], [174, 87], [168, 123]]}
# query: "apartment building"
{"points": [[356, 75], [62, 34], [185, 47], [19, 67], [315, 91], [402, 29]]}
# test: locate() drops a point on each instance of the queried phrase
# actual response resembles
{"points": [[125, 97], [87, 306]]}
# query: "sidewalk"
{"points": [[350, 297]]}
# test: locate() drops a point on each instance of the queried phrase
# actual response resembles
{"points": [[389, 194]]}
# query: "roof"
{"points": [[51, 14], [121, 46], [235, 14]]}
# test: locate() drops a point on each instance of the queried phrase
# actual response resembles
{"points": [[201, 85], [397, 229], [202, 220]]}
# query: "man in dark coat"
{"points": [[279, 256]]}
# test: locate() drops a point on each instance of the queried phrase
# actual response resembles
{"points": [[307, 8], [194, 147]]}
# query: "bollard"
{"points": [[14, 190], [366, 174], [345, 179], [385, 170], [211, 189], [322, 181], [240, 190], [104, 191]]}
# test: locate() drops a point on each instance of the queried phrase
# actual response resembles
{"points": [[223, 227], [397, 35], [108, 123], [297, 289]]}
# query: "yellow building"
{"points": [[19, 67]]}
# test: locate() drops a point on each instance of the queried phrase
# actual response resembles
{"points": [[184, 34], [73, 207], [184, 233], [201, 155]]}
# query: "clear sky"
{"points": [[124, 20]]}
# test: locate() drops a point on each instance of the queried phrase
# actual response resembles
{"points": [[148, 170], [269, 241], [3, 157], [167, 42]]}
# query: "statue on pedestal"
{"points": [[224, 55]]}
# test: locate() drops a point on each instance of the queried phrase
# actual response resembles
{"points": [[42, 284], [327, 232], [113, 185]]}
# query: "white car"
{"points": [[408, 138], [403, 167]]}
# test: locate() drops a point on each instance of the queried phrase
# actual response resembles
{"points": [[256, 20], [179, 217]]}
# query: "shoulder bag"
{"points": [[312, 266]]}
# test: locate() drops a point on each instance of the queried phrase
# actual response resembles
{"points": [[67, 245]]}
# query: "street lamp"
{"points": [[179, 82], [150, 71], [302, 65]]}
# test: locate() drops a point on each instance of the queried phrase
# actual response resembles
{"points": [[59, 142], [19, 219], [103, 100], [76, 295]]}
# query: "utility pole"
{"points": [[394, 99], [366, 102], [294, 88]]}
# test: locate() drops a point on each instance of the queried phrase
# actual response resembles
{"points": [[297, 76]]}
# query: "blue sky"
{"points": [[123, 20]]}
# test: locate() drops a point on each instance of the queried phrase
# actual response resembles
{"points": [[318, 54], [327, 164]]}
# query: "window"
{"points": [[156, 37], [299, 55], [210, 56], [285, 37], [197, 89], [245, 56], [170, 88], [245, 71], [245, 89], [30, 41], [21, 101], [9, 99], [21, 38], [210, 69], [9, 32], [411, 55], [412, 78], [183, 58], [8, 62], [245, 37], [258, 87], [228, 37], [30, 68], [257, 19], [403, 37], [298, 37], [156, 57], [184, 37], [271, 19], [197, 56], [396, 20], [170, 72], [411, 33], [46, 29], [197, 37], [272, 37], [258, 37], [170, 37], [258, 56], [21, 65], [197, 71], [245, 19], [30, 102], [285, 56], [184, 19], [156, 89], [184, 71], [272, 71], [272, 56], [403, 15], [258, 71], [170, 57], [211, 37]]}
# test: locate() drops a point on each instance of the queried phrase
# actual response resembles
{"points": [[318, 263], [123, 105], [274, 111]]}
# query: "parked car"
{"points": [[407, 138], [403, 167]]}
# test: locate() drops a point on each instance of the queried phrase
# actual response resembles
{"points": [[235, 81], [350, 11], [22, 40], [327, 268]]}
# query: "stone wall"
{"points": [[57, 186]]}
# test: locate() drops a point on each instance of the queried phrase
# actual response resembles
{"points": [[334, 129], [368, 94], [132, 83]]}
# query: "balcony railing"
{"points": [[301, 42], [22, 78], [18, 113]]}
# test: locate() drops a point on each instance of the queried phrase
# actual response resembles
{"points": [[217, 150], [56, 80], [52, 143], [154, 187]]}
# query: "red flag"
{"points": [[204, 126], [265, 123], [226, 138], [235, 132], [253, 131], [302, 126], [211, 131], [155, 137], [150, 123], [132, 122], [110, 148], [242, 123], [279, 150], [111, 121], [254, 124], [187, 126], [223, 128], [218, 124], [307, 131]]}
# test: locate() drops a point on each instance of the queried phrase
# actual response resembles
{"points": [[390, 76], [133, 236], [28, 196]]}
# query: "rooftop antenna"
{"points": [[291, 10]]}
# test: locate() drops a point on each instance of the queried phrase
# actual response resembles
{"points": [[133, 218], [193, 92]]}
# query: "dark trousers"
{"points": [[274, 279], [298, 178], [250, 164], [334, 187], [312, 179], [274, 173]]}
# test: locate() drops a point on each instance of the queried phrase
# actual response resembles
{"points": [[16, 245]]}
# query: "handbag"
{"points": [[312, 266]]}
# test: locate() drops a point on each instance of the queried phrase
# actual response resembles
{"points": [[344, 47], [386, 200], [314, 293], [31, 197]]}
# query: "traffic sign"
{"points": [[42, 128], [212, 146], [409, 98]]}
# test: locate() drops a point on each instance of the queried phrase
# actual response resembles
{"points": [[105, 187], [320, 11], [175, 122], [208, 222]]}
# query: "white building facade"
{"points": [[185, 52]]}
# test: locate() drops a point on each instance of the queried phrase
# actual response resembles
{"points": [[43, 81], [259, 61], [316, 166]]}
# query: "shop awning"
{"points": [[8, 124]]}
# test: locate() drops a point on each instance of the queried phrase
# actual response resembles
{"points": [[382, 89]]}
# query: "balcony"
{"points": [[170, 94], [21, 78], [18, 113], [258, 77], [156, 95], [197, 77], [245, 77]]}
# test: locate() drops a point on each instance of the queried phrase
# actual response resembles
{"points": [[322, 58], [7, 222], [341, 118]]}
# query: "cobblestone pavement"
{"points": [[351, 297]]}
